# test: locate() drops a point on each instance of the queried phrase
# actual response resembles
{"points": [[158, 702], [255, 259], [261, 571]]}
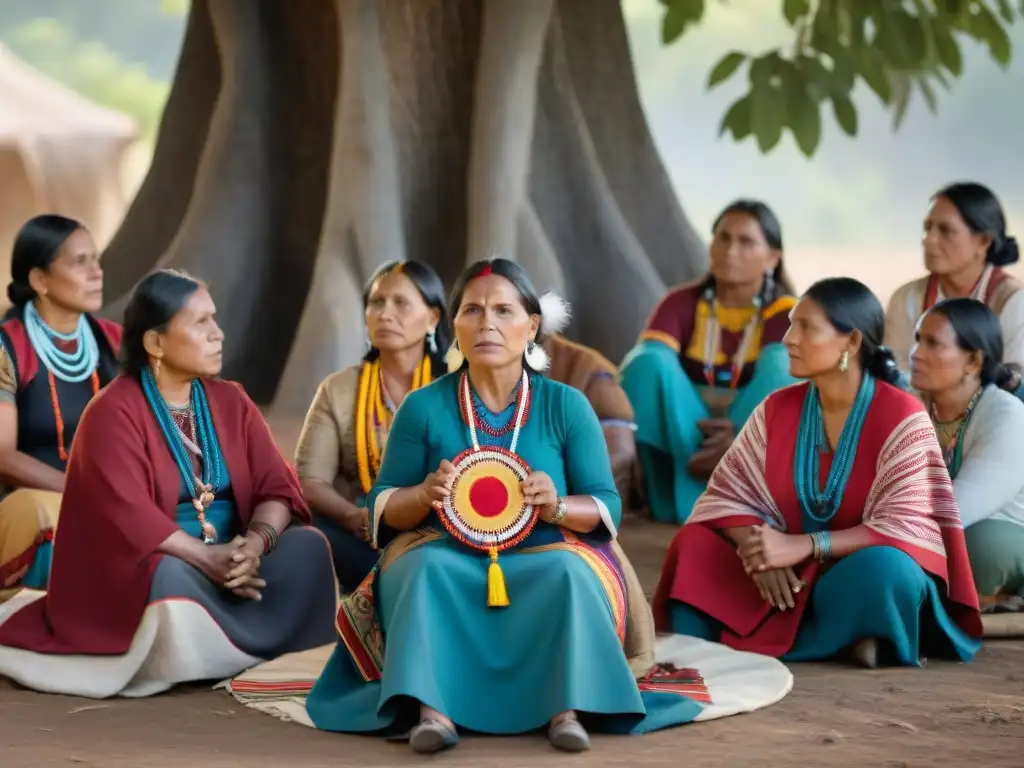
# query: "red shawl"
{"points": [[118, 507], [898, 489]]}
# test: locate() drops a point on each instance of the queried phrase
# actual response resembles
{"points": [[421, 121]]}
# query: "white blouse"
{"points": [[990, 483]]}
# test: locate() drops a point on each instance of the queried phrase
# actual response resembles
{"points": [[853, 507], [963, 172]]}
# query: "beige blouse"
{"points": [[326, 450]]}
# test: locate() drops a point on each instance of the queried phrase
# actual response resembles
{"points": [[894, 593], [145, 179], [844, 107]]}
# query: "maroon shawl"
{"points": [[119, 506]]}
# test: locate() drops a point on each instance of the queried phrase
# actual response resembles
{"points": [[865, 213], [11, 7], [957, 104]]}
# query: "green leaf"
{"points": [[986, 28], [725, 68], [1006, 11], [795, 9], [680, 14], [901, 93], [871, 68], [846, 114], [817, 76], [763, 68], [673, 24], [949, 51], [929, 94], [737, 119], [804, 116], [767, 115]]}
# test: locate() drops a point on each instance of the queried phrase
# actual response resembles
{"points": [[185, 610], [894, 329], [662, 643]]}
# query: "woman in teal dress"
{"points": [[421, 646], [711, 352]]}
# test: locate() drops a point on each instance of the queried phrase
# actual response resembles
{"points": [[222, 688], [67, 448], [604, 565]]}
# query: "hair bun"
{"points": [[20, 293], [883, 366], [1008, 253], [1007, 377]]}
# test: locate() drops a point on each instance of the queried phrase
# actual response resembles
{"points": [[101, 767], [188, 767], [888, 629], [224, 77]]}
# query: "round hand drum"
{"points": [[486, 509]]}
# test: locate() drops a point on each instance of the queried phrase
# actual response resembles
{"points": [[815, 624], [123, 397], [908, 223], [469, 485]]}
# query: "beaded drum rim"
{"points": [[456, 521]]}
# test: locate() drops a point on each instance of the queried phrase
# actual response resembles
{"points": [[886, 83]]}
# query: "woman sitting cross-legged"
{"points": [[709, 354], [956, 363], [339, 451], [55, 356], [466, 647], [831, 522], [178, 557]]}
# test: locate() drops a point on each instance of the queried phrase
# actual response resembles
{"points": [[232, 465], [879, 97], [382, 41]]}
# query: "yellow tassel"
{"points": [[497, 595]]}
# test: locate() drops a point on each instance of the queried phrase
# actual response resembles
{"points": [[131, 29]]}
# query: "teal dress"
{"points": [[556, 647], [668, 406]]}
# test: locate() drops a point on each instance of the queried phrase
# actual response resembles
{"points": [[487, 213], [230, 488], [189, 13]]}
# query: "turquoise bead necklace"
{"points": [[819, 507], [202, 489], [71, 367]]}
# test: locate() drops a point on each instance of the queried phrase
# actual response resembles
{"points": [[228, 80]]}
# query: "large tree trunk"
{"points": [[345, 133]]}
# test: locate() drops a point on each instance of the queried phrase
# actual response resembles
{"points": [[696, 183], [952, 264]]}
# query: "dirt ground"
{"points": [[943, 716]]}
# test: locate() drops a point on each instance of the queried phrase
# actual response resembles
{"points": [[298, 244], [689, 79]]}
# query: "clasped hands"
{"points": [[768, 558], [235, 566], [538, 490]]}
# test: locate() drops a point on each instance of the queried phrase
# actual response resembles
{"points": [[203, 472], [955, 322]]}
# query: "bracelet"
{"points": [[267, 533], [561, 510], [821, 542]]}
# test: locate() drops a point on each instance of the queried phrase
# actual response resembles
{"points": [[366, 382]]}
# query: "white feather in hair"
{"points": [[555, 313]]}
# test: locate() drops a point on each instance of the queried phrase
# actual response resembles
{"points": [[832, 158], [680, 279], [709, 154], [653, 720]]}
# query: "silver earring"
{"points": [[432, 341]]}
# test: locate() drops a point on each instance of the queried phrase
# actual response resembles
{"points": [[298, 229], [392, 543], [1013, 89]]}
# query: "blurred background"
{"points": [[83, 84]]}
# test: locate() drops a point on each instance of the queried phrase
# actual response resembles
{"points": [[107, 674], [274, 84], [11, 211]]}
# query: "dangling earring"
{"points": [[455, 357], [844, 361], [432, 341], [367, 343], [769, 286], [156, 367], [536, 357]]}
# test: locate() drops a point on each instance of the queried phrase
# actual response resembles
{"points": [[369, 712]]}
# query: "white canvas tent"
{"points": [[59, 153]]}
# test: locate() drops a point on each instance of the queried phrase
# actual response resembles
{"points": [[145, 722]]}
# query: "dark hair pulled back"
{"points": [[35, 247], [431, 290], [850, 306], [977, 331], [983, 214], [153, 304]]}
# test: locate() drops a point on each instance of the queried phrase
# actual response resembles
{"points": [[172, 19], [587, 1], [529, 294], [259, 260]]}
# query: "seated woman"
{"points": [[709, 355], [55, 356], [452, 660], [180, 560], [831, 522], [956, 364], [339, 451], [965, 250], [596, 377]]}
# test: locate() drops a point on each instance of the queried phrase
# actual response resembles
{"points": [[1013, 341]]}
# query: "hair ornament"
{"points": [[555, 313]]}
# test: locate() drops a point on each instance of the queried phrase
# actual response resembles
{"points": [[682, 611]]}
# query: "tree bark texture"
{"points": [[305, 143]]}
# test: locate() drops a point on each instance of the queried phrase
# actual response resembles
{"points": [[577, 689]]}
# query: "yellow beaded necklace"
{"points": [[372, 412]]}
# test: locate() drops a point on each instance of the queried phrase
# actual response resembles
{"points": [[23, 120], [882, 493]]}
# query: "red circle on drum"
{"points": [[488, 496]]}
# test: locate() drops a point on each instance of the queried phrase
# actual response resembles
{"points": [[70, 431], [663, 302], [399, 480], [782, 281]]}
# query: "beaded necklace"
{"points": [[952, 447], [475, 421], [58, 417], [713, 340], [202, 489], [72, 367], [820, 507], [473, 410], [374, 410]]}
